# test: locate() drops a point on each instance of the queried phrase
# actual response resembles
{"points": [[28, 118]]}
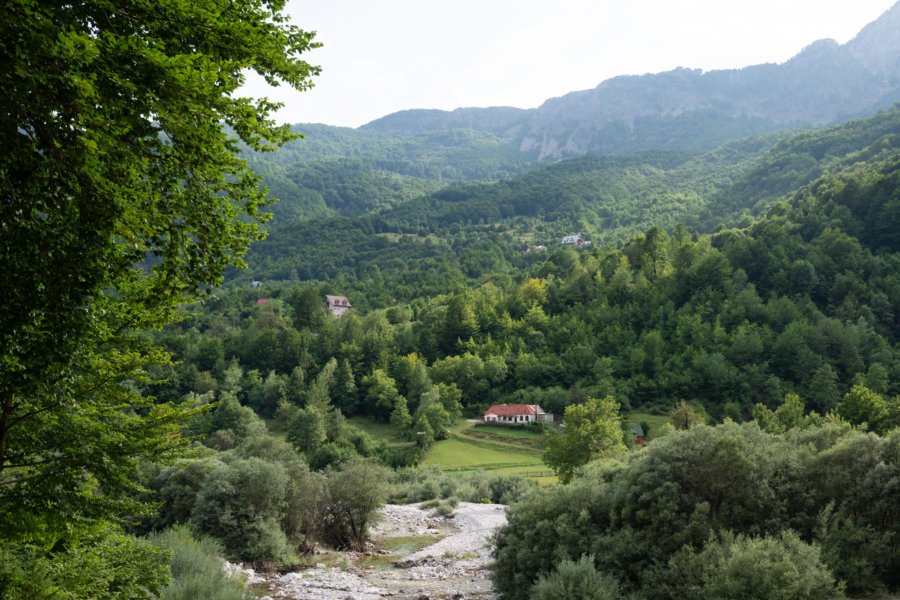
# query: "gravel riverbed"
{"points": [[455, 567]]}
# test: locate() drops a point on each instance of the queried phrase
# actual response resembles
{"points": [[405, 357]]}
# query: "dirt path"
{"points": [[453, 567]]}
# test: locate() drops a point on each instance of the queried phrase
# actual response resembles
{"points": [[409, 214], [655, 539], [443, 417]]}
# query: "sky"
{"points": [[382, 56]]}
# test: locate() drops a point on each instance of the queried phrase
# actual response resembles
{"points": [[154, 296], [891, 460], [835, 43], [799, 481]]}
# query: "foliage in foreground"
{"points": [[196, 566], [826, 485], [98, 562], [121, 197], [774, 568], [576, 581], [262, 502]]}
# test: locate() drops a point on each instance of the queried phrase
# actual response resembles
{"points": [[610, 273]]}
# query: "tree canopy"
{"points": [[121, 195]]}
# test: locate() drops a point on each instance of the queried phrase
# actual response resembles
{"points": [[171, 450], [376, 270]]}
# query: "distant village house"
{"points": [[517, 413], [637, 435], [337, 305], [574, 240]]}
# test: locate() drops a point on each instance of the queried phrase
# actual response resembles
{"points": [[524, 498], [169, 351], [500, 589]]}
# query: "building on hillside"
{"points": [[255, 283], [637, 434], [262, 300], [517, 413], [337, 305], [573, 240]]}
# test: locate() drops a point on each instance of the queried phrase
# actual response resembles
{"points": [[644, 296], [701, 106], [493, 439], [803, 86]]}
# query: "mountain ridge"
{"points": [[824, 83]]}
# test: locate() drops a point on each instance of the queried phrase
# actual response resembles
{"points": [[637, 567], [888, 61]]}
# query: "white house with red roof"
{"points": [[517, 413], [337, 305]]}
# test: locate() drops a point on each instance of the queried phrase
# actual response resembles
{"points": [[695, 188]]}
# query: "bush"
{"points": [[636, 511], [576, 581], [100, 562], [330, 455], [241, 504], [421, 484], [744, 568], [177, 488], [197, 568], [354, 493]]}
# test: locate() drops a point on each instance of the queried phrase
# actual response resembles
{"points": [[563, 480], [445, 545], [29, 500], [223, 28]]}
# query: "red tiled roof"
{"points": [[511, 410], [262, 300]]}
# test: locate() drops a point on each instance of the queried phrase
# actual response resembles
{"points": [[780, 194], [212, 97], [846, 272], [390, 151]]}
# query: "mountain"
{"points": [[499, 120], [688, 109], [479, 231], [343, 171], [878, 46]]}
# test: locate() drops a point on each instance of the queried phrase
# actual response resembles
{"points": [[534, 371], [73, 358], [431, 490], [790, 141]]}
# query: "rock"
{"points": [[289, 578]]}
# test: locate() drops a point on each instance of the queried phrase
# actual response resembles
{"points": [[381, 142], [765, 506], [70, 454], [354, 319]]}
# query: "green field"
{"points": [[654, 421], [492, 449], [379, 431]]}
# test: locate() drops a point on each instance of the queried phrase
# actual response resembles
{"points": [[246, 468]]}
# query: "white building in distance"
{"points": [[337, 305]]}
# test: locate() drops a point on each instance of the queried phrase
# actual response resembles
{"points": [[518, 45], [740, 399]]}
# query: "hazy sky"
{"points": [[381, 56]]}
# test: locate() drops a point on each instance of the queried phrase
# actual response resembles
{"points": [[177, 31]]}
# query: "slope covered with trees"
{"points": [[804, 300], [479, 232]]}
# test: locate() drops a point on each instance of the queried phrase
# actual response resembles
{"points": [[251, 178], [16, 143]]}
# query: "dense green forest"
{"points": [[338, 171], [773, 324], [474, 233], [162, 410], [804, 300]]}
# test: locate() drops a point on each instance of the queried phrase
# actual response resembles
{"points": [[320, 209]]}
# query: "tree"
{"points": [[592, 430], [343, 388], [319, 394], [242, 504], [400, 417], [823, 390], [862, 406], [459, 324], [121, 196], [306, 431], [355, 492], [786, 417], [655, 254], [686, 415], [382, 394]]}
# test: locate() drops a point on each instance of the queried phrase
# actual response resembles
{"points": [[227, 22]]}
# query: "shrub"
{"points": [[197, 568], [421, 484], [330, 455], [99, 562], [177, 488], [354, 493], [241, 504], [576, 581], [742, 568]]}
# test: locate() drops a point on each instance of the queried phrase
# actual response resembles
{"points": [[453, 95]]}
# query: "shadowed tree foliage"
{"points": [[121, 196]]}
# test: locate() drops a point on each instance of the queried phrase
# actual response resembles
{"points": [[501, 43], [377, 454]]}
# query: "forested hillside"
{"points": [[785, 330], [804, 300], [341, 171], [480, 232], [719, 343]]}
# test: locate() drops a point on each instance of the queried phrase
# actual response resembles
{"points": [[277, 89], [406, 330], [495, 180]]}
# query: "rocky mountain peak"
{"points": [[877, 46]]}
